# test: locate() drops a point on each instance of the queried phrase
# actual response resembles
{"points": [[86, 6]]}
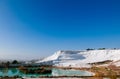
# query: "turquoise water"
{"points": [[55, 72], [11, 72], [70, 72]]}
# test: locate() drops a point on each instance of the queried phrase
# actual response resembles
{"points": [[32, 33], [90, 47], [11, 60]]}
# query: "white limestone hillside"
{"points": [[82, 58]]}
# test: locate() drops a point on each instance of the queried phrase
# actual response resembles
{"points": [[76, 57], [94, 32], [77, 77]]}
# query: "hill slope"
{"points": [[83, 58]]}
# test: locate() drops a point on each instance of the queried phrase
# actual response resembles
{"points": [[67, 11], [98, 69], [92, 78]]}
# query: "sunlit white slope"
{"points": [[82, 58]]}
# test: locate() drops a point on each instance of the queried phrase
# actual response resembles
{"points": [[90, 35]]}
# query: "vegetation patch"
{"points": [[102, 62], [40, 70]]}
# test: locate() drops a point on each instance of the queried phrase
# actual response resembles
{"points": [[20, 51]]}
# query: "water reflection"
{"points": [[14, 70], [70, 72]]}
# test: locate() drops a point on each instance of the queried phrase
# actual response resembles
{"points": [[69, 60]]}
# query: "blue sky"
{"points": [[37, 28]]}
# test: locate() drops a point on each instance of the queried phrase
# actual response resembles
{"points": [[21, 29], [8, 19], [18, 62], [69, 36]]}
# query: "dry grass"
{"points": [[109, 71]]}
